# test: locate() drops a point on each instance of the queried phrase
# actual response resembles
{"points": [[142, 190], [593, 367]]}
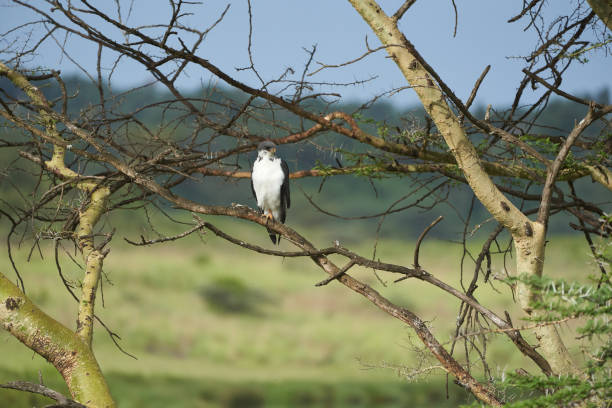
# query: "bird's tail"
{"points": [[273, 238]]}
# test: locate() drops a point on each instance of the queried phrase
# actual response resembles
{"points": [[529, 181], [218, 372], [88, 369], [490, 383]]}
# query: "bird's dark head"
{"points": [[267, 148]]}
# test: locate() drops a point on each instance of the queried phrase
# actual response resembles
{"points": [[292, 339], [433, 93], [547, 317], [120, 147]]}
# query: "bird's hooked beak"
{"points": [[267, 150]]}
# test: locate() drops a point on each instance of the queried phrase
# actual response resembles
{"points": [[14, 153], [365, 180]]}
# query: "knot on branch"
{"points": [[12, 303]]}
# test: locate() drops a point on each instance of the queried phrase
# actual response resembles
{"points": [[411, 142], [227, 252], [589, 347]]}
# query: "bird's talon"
{"points": [[268, 218]]}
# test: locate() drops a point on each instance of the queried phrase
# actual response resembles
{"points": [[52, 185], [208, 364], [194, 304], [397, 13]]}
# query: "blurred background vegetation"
{"points": [[213, 325], [369, 194]]}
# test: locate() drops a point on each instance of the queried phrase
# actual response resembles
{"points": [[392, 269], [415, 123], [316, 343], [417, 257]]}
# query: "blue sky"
{"points": [[283, 28]]}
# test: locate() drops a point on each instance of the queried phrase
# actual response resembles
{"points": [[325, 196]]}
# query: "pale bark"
{"points": [[528, 236], [434, 102], [530, 262], [602, 175], [603, 9]]}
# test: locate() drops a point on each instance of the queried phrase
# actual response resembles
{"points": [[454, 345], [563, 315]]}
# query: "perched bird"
{"points": [[270, 185]]}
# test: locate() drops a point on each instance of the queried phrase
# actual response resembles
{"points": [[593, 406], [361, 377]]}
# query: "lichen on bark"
{"points": [[59, 345]]}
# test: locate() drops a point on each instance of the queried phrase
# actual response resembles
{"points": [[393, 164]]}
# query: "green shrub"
{"points": [[231, 295]]}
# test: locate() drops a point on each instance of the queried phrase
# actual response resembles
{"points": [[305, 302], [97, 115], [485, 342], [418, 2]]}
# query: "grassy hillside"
{"points": [[215, 325]]}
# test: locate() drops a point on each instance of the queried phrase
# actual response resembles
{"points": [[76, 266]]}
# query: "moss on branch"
{"points": [[71, 356]]}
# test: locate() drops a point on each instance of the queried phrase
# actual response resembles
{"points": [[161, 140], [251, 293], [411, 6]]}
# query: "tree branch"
{"points": [[57, 344], [42, 390], [403, 8]]}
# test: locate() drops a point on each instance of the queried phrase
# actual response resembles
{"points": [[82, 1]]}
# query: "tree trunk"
{"points": [[530, 252], [528, 236], [56, 343]]}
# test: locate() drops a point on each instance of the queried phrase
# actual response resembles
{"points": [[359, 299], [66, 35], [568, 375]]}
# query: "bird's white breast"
{"points": [[267, 181]]}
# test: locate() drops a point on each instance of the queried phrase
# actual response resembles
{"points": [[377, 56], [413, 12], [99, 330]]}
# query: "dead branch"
{"points": [[42, 390], [420, 239]]}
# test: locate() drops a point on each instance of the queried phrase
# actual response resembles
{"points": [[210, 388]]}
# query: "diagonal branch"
{"points": [[560, 92], [338, 274], [420, 239], [403, 9], [42, 390], [71, 356], [555, 168], [355, 259]]}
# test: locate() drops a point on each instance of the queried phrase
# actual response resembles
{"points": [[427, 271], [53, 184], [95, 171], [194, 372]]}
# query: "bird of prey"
{"points": [[270, 184]]}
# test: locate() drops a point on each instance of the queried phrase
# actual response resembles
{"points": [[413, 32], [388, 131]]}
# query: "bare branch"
{"points": [[477, 86], [524, 11], [560, 92], [554, 169], [341, 272], [402, 10], [42, 390], [420, 239], [144, 241]]}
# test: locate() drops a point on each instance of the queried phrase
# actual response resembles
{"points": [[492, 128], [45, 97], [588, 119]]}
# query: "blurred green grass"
{"points": [[301, 340], [135, 391]]}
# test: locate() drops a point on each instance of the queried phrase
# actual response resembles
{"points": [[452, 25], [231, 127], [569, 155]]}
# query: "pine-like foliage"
{"points": [[591, 305]]}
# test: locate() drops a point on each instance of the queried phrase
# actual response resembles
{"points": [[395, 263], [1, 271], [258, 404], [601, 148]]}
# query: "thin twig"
{"points": [[341, 272], [144, 241], [560, 92], [420, 239], [403, 8]]}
